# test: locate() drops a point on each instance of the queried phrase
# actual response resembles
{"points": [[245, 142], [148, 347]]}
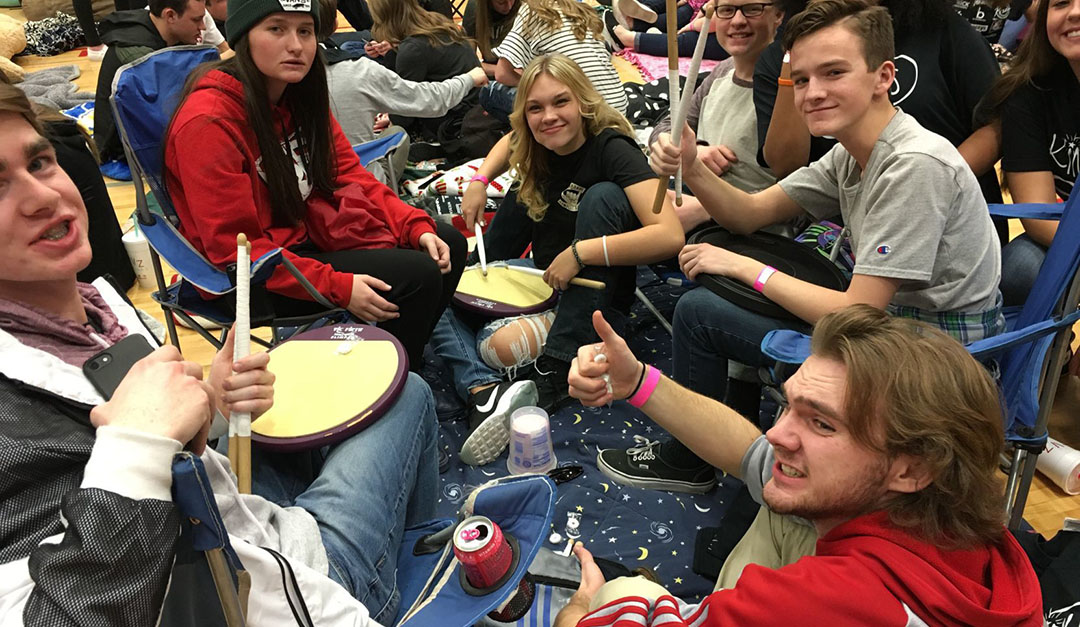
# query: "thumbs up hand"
{"points": [[587, 382]]}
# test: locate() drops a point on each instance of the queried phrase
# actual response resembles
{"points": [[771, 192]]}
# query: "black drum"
{"points": [[786, 255]]}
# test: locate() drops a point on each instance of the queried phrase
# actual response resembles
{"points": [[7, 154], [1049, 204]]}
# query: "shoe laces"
{"points": [[645, 449]]}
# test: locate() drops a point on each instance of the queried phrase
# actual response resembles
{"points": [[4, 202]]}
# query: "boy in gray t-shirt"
{"points": [[915, 212], [923, 240]]}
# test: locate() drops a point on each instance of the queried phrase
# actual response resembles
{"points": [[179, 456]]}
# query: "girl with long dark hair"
{"points": [[1036, 103], [487, 22], [254, 149]]}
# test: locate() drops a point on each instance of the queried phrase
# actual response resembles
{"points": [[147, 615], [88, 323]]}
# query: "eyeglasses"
{"points": [[752, 9]]}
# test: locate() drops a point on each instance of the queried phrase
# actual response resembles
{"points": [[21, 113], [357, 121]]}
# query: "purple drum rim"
{"points": [[493, 309], [355, 425]]}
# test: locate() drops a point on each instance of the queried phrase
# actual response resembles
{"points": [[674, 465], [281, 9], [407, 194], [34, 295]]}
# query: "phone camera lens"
{"points": [[94, 365]]}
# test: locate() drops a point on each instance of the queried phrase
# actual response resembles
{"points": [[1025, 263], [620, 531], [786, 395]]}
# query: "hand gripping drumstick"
{"points": [[589, 283], [480, 247], [679, 116], [241, 347], [673, 87]]}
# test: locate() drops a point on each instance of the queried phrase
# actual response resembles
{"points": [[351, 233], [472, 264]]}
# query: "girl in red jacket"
{"points": [[254, 149]]}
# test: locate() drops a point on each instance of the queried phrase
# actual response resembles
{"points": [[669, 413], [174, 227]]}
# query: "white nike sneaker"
{"points": [[489, 420]]}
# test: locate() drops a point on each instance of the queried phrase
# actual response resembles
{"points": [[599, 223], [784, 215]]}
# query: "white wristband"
{"points": [[607, 261]]}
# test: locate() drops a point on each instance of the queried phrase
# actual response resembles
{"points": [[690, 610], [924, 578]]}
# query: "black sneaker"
{"points": [[610, 22], [643, 466], [489, 420], [550, 375]]}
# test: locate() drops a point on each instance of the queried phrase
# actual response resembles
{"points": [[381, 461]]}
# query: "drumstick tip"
{"points": [[242, 240]]}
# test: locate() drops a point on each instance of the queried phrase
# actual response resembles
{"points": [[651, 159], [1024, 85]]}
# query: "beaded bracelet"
{"points": [[577, 257]]}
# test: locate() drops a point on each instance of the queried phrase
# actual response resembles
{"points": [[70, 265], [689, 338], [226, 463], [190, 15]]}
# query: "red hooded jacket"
{"points": [[212, 158], [865, 572]]}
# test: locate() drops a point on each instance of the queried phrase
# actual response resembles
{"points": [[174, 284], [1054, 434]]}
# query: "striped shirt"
{"points": [[591, 55]]}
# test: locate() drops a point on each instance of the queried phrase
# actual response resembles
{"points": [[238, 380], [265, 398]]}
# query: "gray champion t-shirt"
{"points": [[916, 213]]}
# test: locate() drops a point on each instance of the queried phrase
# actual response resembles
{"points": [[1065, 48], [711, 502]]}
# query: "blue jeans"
{"points": [[498, 100], [708, 330], [602, 210], [457, 340], [363, 492], [1021, 260]]}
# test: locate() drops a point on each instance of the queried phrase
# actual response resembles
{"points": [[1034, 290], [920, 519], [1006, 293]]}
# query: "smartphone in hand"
{"points": [[108, 368]]}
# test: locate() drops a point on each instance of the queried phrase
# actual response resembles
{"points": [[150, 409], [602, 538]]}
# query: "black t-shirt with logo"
{"points": [[941, 75], [608, 156], [1040, 128], [987, 19]]}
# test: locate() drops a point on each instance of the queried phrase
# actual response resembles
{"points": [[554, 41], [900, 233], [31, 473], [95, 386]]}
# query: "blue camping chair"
{"points": [[429, 576], [145, 94], [1030, 353]]}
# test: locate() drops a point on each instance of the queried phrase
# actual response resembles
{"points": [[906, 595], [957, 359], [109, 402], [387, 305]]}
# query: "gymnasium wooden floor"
{"points": [[1047, 504]]}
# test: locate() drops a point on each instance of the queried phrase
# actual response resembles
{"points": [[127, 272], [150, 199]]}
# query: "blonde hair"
{"points": [[546, 16], [397, 19], [913, 390], [528, 158]]}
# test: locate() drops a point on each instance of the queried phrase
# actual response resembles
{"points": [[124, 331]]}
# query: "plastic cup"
{"points": [[1061, 464], [530, 442], [138, 251]]}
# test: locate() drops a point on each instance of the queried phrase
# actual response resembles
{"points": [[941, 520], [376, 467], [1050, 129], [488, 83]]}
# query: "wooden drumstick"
{"points": [[589, 283], [480, 247], [679, 116], [242, 347], [672, 8]]}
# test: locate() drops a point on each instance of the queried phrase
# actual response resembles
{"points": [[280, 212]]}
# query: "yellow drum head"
{"points": [[503, 292], [326, 388]]}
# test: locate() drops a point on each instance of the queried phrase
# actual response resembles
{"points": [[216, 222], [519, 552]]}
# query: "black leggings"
{"points": [[417, 287], [84, 12]]}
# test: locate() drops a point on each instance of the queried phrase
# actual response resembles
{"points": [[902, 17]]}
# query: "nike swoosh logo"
{"points": [[490, 404]]}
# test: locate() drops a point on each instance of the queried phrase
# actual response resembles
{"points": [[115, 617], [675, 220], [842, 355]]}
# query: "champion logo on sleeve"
{"points": [[884, 249]]}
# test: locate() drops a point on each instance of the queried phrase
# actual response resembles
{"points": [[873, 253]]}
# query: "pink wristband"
{"points": [[763, 277], [647, 387], [480, 177]]}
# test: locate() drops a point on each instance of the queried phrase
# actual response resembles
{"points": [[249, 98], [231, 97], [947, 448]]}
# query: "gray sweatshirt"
{"points": [[361, 88]]}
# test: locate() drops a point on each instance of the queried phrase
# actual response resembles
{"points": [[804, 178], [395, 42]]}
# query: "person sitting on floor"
{"points": [[888, 446], [487, 22], [361, 89], [585, 205], [131, 35], [651, 38], [426, 47], [922, 238], [722, 109], [90, 533], [563, 27], [226, 171]]}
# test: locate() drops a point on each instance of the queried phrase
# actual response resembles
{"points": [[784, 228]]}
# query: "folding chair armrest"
{"points": [[194, 496], [789, 347], [377, 148], [993, 345], [1029, 210]]}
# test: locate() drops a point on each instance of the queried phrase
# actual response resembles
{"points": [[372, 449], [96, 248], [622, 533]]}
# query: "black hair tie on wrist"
{"points": [[641, 378]]}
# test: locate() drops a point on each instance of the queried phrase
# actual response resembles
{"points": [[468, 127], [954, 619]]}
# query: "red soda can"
{"points": [[482, 550]]}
